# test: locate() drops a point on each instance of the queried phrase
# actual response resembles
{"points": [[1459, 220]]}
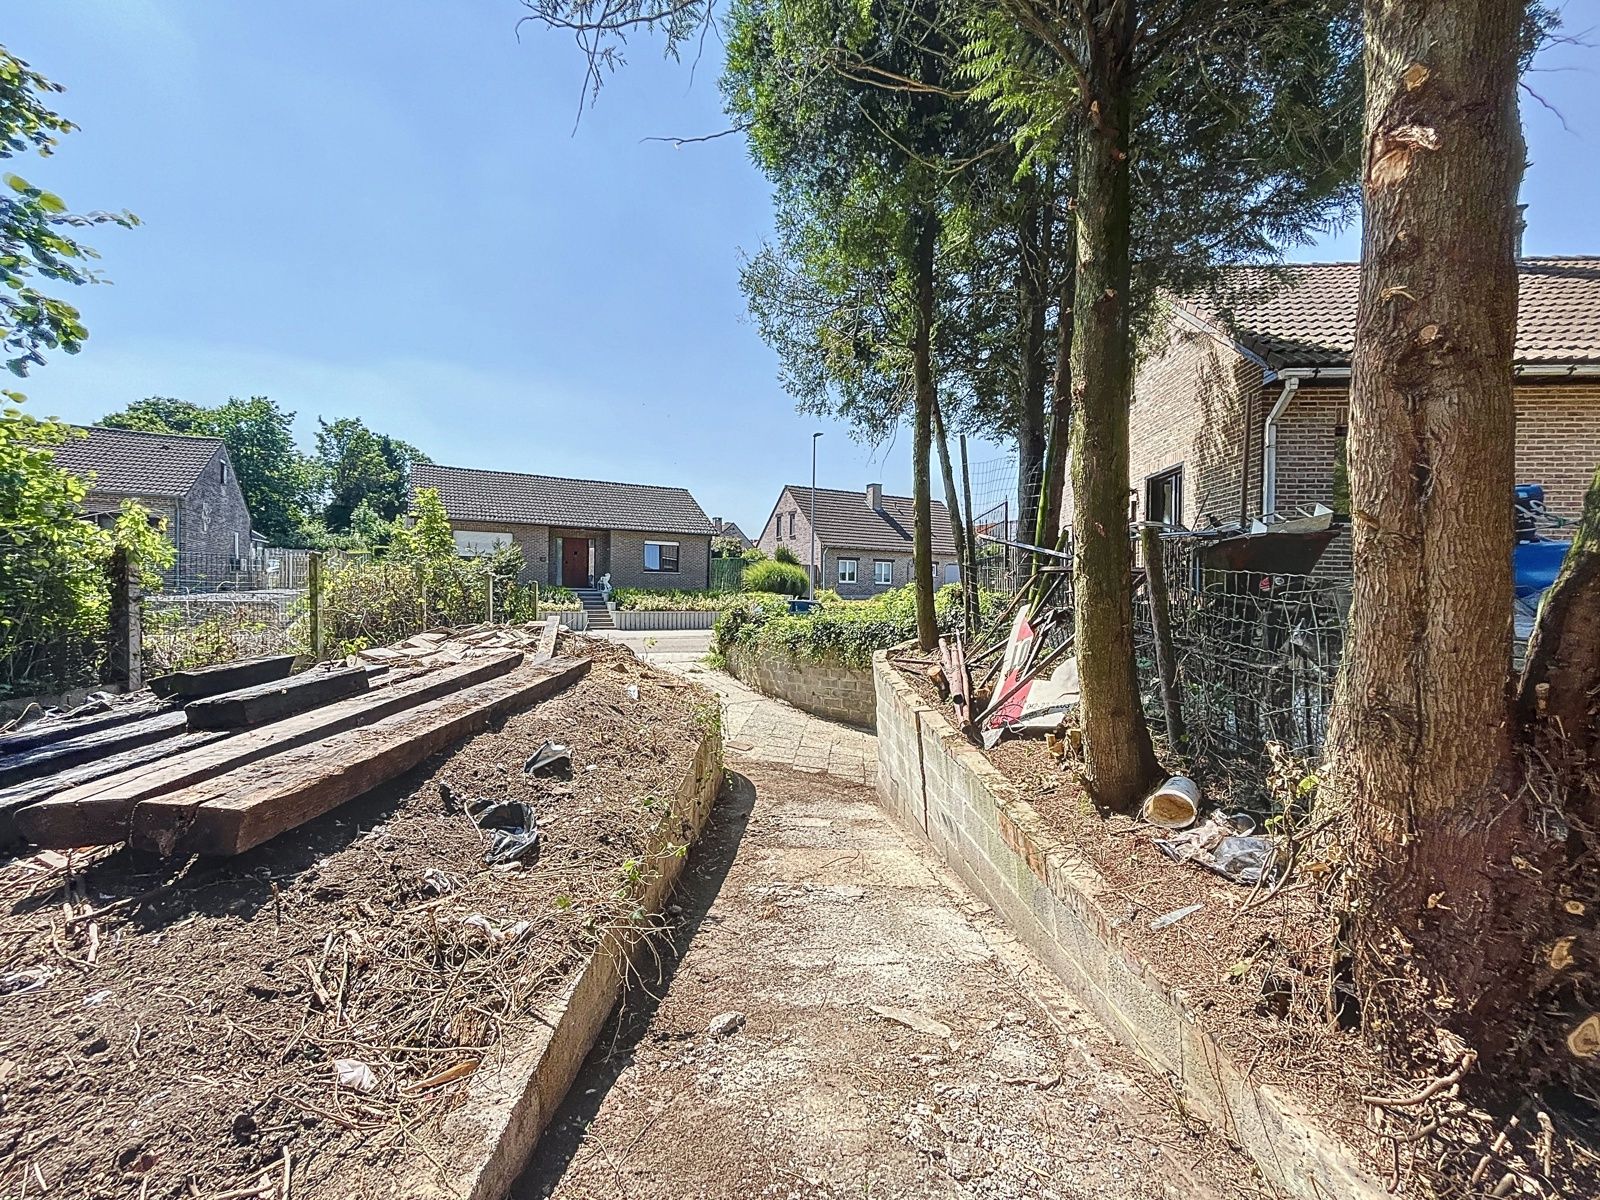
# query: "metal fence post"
{"points": [[314, 596], [125, 661], [1155, 586], [489, 580]]}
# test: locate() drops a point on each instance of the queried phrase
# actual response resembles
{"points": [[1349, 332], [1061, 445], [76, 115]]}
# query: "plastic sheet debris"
{"points": [[354, 1074], [1227, 844], [633, 691], [17, 982], [512, 828], [1176, 915], [497, 934], [437, 882], [549, 759]]}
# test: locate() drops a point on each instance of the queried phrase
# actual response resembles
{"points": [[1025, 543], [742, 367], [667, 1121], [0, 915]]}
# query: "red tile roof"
{"points": [[1304, 315]]}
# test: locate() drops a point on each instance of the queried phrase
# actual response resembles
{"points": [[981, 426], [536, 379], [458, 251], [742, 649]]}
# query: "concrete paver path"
{"points": [[877, 1033]]}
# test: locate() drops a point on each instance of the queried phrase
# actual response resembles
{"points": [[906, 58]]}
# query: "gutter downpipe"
{"points": [[1269, 444]]}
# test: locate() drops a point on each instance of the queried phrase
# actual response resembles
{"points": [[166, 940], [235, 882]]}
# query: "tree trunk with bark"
{"points": [[1119, 761], [1048, 532], [952, 498], [1419, 741], [924, 396], [1032, 301]]}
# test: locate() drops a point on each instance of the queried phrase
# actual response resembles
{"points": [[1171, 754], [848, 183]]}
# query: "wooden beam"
{"points": [[44, 733], [225, 677], [241, 809], [97, 811], [15, 799], [547, 639], [276, 699], [48, 759]]}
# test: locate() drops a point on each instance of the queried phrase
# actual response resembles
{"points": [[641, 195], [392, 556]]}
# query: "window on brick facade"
{"points": [[1163, 497], [847, 570], [883, 571], [791, 525], [661, 556]]}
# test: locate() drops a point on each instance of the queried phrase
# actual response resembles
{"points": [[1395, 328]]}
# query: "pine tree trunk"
{"points": [[1119, 761], [1419, 741], [952, 498], [1031, 304], [923, 399], [1048, 532]]}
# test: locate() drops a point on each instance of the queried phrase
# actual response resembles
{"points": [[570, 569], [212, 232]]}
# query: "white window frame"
{"points": [[878, 572], [478, 543], [677, 558], [855, 569]]}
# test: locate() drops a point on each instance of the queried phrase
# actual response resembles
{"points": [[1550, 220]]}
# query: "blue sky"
{"points": [[383, 210]]}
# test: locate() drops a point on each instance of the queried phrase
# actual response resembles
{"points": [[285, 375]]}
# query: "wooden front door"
{"points": [[575, 562]]}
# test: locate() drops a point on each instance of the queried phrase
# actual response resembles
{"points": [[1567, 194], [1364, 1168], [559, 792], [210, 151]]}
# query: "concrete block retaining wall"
{"points": [[831, 690], [576, 619], [635, 618], [941, 787]]}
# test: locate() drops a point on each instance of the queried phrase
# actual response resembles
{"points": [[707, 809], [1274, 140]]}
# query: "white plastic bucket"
{"points": [[1175, 804]]}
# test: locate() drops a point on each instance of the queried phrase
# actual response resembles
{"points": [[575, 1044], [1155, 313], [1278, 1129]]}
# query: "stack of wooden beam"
{"points": [[238, 754]]}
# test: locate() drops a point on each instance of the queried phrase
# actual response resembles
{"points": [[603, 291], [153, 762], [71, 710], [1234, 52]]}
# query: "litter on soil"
{"points": [[311, 1009]]}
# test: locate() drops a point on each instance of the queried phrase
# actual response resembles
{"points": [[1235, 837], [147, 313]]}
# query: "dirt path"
{"points": [[892, 1040]]}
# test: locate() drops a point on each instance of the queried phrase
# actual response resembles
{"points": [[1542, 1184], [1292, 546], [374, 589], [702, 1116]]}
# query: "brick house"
{"points": [[187, 482], [1244, 412], [573, 531], [863, 540]]}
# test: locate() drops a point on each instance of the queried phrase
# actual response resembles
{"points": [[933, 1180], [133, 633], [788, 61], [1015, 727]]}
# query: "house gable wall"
{"points": [[213, 525]]}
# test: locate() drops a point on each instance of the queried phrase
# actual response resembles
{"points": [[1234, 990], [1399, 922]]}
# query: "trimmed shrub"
{"points": [[668, 600], [845, 631], [775, 576]]}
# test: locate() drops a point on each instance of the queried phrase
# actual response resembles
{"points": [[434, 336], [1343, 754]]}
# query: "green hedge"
{"points": [[774, 576], [846, 631]]}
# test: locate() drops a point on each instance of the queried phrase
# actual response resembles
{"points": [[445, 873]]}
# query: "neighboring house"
{"points": [[573, 531], [727, 529], [188, 482], [1242, 413], [863, 540]]}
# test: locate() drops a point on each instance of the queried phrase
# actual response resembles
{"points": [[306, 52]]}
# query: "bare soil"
{"points": [[1262, 967], [805, 912], [183, 1043]]}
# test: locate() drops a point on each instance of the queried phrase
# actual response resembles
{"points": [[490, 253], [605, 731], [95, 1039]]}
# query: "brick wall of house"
{"points": [[776, 531], [213, 523], [865, 586], [533, 540], [1558, 440], [1192, 399], [627, 560]]}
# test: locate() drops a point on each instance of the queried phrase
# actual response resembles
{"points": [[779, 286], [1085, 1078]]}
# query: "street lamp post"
{"points": [[812, 573]]}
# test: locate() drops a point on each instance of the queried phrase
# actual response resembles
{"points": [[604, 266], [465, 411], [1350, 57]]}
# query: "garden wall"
{"points": [[941, 787], [831, 690], [662, 619]]}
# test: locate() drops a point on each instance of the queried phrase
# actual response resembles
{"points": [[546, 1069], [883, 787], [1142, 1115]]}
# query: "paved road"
{"points": [[756, 727], [892, 1040]]}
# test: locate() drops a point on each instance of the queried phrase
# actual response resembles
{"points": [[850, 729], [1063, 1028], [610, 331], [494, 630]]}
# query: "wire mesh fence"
{"points": [[54, 624], [1257, 655], [212, 609]]}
